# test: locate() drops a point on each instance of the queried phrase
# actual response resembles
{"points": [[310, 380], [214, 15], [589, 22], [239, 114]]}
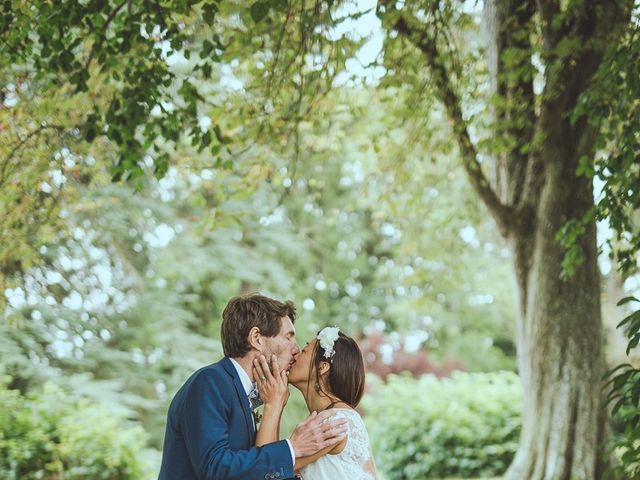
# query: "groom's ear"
{"points": [[254, 338]]}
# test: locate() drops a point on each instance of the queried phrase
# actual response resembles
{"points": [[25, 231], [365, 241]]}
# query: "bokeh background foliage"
{"points": [[466, 425], [157, 158], [46, 434]]}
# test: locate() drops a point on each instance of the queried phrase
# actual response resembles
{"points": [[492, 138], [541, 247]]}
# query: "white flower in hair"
{"points": [[327, 338]]}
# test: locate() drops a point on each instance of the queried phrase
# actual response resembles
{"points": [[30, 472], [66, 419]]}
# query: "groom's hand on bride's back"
{"points": [[318, 431]]}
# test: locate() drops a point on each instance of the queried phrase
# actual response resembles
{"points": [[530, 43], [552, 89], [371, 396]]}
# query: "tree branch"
{"points": [[549, 9], [158, 9], [101, 38], [6, 160], [567, 75], [592, 27], [442, 80], [508, 27], [599, 26], [278, 51]]}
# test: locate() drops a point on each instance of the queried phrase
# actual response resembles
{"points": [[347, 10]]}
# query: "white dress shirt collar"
{"points": [[247, 384]]}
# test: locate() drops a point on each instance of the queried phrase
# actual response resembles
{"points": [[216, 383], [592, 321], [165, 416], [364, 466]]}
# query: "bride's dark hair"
{"points": [[345, 378]]}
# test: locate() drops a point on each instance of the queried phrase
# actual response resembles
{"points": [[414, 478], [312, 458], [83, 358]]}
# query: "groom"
{"points": [[211, 433]]}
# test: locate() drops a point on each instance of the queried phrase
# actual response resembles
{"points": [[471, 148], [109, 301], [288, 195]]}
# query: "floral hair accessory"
{"points": [[327, 338]]}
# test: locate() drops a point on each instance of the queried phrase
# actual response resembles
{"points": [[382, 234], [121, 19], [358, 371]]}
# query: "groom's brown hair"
{"points": [[244, 312]]}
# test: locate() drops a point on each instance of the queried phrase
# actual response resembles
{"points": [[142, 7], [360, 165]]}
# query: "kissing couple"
{"points": [[212, 432]]}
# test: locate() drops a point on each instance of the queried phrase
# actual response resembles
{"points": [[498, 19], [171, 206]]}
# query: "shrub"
{"points": [[46, 435], [623, 396], [464, 426]]}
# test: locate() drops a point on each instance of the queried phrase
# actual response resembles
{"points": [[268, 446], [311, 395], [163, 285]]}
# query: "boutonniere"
{"points": [[257, 416]]}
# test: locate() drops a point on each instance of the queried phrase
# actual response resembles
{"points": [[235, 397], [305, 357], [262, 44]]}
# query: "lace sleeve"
{"points": [[370, 467], [358, 447]]}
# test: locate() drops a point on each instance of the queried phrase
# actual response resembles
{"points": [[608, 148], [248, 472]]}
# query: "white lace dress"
{"points": [[355, 462]]}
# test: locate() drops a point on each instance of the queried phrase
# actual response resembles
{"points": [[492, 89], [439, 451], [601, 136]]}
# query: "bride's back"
{"points": [[354, 462]]}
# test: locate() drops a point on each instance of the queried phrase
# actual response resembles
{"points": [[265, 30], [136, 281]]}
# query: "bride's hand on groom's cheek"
{"points": [[272, 382]]}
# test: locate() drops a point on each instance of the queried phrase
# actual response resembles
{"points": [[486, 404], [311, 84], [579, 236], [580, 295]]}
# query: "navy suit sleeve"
{"points": [[206, 433]]}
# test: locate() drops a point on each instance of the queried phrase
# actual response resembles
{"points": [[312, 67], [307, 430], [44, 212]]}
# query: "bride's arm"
{"points": [[274, 392], [269, 430]]}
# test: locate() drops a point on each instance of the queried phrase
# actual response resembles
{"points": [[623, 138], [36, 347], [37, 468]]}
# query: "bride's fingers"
{"points": [[275, 368], [265, 368], [262, 375], [264, 363], [257, 376]]}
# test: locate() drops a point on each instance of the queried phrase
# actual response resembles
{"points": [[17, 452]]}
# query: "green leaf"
{"points": [[207, 48], [90, 133], [627, 319], [585, 167], [259, 11], [209, 11], [614, 370], [627, 300]]}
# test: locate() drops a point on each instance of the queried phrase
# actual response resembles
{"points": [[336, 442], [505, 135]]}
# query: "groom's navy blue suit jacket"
{"points": [[210, 433]]}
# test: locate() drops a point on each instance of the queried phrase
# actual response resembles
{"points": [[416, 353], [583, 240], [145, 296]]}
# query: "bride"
{"points": [[329, 372]]}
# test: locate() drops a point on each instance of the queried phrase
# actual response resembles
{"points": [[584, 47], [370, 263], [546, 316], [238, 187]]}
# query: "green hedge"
{"points": [[46, 435], [464, 426]]}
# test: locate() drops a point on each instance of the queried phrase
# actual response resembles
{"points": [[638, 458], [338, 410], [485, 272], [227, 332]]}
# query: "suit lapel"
{"points": [[242, 396]]}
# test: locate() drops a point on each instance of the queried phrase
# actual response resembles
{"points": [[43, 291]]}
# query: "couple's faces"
{"points": [[300, 370], [283, 345]]}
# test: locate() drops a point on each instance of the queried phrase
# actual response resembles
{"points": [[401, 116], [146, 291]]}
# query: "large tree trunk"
{"points": [[535, 192], [559, 337], [559, 324]]}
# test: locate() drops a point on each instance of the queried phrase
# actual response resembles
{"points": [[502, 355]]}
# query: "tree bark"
{"points": [[559, 338]]}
